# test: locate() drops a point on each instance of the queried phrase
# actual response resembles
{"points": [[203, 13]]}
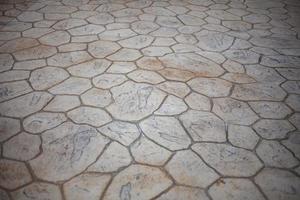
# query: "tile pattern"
{"points": [[149, 99]]}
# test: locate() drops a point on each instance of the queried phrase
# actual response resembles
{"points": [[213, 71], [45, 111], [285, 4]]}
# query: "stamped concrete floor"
{"points": [[137, 100]]}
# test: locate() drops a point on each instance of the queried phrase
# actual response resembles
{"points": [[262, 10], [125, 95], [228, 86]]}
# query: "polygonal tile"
{"points": [[37, 52], [182, 192], [137, 42], [90, 29], [242, 136], [101, 18], [62, 103], [146, 76], [96, 97], [90, 69], [71, 86], [198, 102], [293, 101], [13, 89], [55, 38], [178, 89], [144, 27], [275, 110], [106, 81], [69, 23], [6, 62], [101, 49], [69, 58], [213, 41], [171, 106], [242, 56], [8, 128], [126, 55]]}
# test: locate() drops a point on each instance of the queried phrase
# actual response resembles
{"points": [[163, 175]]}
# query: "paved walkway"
{"points": [[137, 100]]}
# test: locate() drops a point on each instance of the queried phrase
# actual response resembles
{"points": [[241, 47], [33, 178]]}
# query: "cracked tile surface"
{"points": [[149, 99]]}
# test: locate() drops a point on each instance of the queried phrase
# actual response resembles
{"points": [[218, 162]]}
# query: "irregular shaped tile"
{"points": [[212, 87], [233, 111], [115, 35], [176, 88], [126, 55], [8, 127], [235, 189], [90, 69], [292, 143], [176, 74], [242, 136], [282, 61], [38, 190], [198, 102], [69, 23], [273, 129], [187, 168], [136, 42], [58, 9], [30, 64], [138, 182], [293, 101], [106, 81], [36, 32], [238, 78], [89, 115], [149, 63], [204, 126], [192, 62], [144, 27], [91, 186], [18, 44], [14, 75], [13, 89], [121, 67], [166, 131], [275, 42], [90, 29], [123, 132], [156, 51], [191, 20], [264, 74], [146, 76], [242, 56], [168, 21], [55, 38], [22, 147], [101, 49], [101, 18], [4, 195], [155, 10], [6, 62], [62, 103], [228, 160], [25, 105], [147, 152], [96, 97], [42, 121], [213, 41], [258, 91], [72, 47], [223, 15], [72, 85], [67, 150], [291, 87], [278, 184], [182, 192], [273, 154], [113, 158], [134, 101], [275, 110], [9, 179], [172, 106], [69, 58], [47, 77]]}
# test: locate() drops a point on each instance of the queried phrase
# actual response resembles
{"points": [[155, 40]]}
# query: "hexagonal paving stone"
{"points": [[55, 38], [176, 88], [91, 186], [121, 67], [291, 86], [123, 132], [42, 121], [126, 55], [13, 174], [37, 52], [13, 89], [176, 74], [292, 143], [293, 101], [278, 184], [101, 18], [235, 189], [192, 62], [96, 97], [113, 158], [273, 129], [38, 190], [166, 131], [67, 150], [8, 127], [101, 49], [62, 103], [233, 111], [71, 86], [6, 62], [89, 29], [25, 147], [147, 152], [182, 192], [172, 106], [115, 35], [263, 74], [149, 63], [273, 154], [47, 77], [134, 101], [242, 56], [30, 16], [228, 160], [213, 41], [25, 105], [18, 44], [137, 182], [106, 81], [188, 169], [204, 126], [89, 115], [69, 23], [144, 27], [90, 69], [14, 75], [242, 136], [212, 87], [258, 91]]}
